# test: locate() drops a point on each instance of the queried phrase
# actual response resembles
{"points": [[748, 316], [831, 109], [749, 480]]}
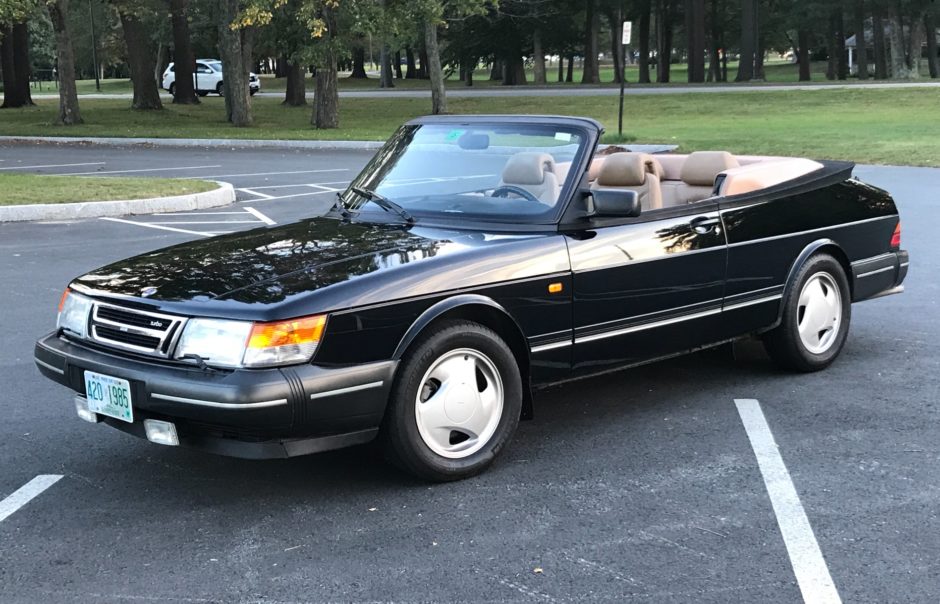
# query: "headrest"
{"points": [[701, 167], [528, 168], [622, 170]]}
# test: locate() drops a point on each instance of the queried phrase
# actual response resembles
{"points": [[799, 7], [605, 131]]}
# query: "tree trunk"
{"points": [[514, 68], [748, 34], [561, 68], [65, 61], [234, 48], [296, 93], [359, 63], [21, 62], [932, 60], [614, 19], [326, 96], [802, 55], [496, 71], [696, 40], [714, 46], [589, 74], [538, 57], [411, 70], [183, 59], [140, 59], [385, 68], [281, 67], [861, 47], [396, 59], [878, 43], [11, 97], [438, 95], [423, 72], [569, 76], [644, 61], [915, 44], [896, 49], [842, 65], [664, 42]]}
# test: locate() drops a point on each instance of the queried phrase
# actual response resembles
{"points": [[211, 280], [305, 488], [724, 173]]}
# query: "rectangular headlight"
{"points": [[284, 342], [73, 314], [218, 342]]}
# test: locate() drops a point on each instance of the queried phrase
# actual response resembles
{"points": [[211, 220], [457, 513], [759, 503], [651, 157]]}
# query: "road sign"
{"points": [[627, 32]]}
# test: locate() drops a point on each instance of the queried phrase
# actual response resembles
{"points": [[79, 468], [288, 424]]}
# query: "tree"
{"points": [[141, 58], [590, 74], [933, 67], [643, 61], [326, 106], [68, 95], [695, 39], [236, 28], [14, 52], [747, 46], [184, 89]]}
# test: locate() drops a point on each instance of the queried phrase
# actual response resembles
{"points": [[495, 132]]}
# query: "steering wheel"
{"points": [[504, 190]]}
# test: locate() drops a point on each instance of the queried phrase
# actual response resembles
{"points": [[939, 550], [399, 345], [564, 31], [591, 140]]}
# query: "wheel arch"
{"points": [[487, 312], [820, 246]]}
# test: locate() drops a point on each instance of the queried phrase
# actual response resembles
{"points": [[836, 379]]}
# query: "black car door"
{"points": [[647, 287]]}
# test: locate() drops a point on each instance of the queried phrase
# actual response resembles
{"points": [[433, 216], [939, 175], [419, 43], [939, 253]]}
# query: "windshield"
{"points": [[491, 172]]}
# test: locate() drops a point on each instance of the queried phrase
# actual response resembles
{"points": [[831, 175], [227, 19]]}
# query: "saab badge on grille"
{"points": [[146, 292]]}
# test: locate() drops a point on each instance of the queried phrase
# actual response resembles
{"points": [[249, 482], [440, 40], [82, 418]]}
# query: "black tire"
{"points": [[220, 89], [400, 436], [173, 89], [202, 93], [252, 92], [784, 343]]}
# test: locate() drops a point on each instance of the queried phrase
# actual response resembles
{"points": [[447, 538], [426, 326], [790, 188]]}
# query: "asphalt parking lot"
{"points": [[639, 486]]}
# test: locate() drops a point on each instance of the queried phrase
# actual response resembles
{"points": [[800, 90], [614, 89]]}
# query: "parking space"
{"points": [[646, 485]]}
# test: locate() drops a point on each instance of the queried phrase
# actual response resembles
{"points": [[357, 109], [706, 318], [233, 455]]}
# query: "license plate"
{"points": [[109, 396]]}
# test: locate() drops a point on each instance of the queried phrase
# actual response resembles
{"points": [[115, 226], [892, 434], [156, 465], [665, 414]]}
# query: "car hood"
{"points": [[247, 274]]}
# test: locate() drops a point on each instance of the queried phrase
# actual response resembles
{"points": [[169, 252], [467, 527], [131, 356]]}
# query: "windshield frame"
{"points": [[588, 129]]}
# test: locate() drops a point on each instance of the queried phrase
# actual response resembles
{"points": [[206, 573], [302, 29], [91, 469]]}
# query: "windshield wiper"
{"points": [[339, 207], [385, 203]]}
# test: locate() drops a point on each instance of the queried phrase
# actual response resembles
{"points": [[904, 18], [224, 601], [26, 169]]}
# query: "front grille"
{"points": [[135, 330]]}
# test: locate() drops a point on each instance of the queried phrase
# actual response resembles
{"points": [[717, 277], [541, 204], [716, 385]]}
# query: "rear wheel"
{"points": [[816, 316], [455, 403], [173, 89], [220, 89]]}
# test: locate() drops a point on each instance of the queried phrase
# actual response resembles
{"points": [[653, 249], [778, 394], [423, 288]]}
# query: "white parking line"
{"points": [[26, 493], [259, 215], [143, 170], [298, 195], [255, 193], [205, 222], [271, 173], [807, 560], [298, 185], [91, 163], [157, 226]]}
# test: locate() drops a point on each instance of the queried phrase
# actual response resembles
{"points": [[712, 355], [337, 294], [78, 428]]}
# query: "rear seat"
{"points": [[634, 172], [696, 177]]}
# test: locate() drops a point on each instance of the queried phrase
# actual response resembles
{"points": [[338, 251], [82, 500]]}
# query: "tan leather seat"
{"points": [[534, 172], [633, 171], [697, 177]]}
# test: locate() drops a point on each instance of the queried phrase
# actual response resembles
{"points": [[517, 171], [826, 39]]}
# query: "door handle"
{"points": [[704, 224]]}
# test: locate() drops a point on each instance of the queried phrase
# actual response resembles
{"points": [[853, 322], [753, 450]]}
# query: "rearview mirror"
{"points": [[474, 142], [615, 203]]}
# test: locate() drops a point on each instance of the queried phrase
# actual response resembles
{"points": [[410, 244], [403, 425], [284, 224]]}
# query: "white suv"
{"points": [[207, 77]]}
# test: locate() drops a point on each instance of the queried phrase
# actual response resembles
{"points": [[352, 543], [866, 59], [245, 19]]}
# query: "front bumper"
{"points": [[263, 413]]}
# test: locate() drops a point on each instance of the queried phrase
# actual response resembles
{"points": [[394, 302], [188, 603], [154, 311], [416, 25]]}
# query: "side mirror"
{"points": [[615, 203]]}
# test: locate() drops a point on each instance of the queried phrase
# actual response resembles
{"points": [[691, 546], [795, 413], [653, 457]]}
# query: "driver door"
{"points": [[647, 287]]}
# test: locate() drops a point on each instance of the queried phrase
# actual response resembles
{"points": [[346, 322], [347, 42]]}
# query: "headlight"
{"points": [[73, 313], [219, 343], [223, 343]]}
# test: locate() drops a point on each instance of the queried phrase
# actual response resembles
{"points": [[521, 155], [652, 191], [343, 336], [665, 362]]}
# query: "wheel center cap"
{"points": [[460, 404]]}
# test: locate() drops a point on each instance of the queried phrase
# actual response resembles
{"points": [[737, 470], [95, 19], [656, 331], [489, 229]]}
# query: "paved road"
{"points": [[641, 486], [514, 91]]}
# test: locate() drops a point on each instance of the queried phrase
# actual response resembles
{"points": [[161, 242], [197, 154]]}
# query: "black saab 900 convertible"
{"points": [[474, 260]]}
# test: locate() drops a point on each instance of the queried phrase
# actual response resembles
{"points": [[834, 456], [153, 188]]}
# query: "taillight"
{"points": [[896, 237]]}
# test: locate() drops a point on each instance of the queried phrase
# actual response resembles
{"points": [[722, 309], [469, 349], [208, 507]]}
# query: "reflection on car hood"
{"points": [[271, 266]]}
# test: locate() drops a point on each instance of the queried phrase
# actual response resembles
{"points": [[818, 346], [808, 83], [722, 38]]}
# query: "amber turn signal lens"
{"points": [[554, 288], [65, 295], [283, 333]]}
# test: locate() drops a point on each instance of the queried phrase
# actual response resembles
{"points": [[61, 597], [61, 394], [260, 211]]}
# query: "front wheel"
{"points": [[816, 315], [455, 403]]}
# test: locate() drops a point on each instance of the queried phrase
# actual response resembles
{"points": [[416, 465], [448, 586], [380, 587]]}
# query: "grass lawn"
{"points": [[16, 189], [865, 125]]}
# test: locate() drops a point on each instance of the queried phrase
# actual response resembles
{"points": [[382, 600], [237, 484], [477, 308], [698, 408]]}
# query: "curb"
{"points": [[196, 142], [222, 196]]}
